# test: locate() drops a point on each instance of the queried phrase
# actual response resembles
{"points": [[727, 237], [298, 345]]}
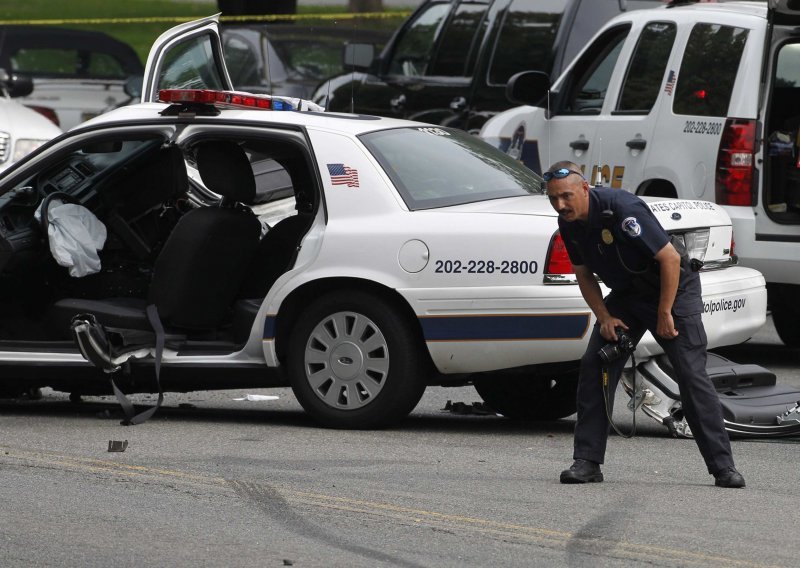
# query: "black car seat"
{"points": [[275, 255], [199, 271]]}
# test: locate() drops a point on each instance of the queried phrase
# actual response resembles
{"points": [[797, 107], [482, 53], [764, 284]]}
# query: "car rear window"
{"points": [[708, 71], [439, 167]]}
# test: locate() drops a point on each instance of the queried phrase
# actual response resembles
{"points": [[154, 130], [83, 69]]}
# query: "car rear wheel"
{"points": [[785, 314], [355, 362], [523, 397]]}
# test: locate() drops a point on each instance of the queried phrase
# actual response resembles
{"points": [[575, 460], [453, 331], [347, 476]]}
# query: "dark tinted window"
{"points": [[708, 70], [526, 38], [647, 66], [413, 50], [68, 63], [466, 168], [455, 56], [592, 73]]}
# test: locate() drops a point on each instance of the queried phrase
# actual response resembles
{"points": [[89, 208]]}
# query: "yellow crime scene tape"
{"points": [[181, 19]]}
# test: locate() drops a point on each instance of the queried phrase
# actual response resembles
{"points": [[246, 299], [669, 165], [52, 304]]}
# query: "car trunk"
{"points": [[781, 115]]}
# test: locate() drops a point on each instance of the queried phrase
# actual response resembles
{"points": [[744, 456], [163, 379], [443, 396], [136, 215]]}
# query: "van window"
{"points": [[413, 51], [525, 41], [646, 69], [708, 70], [592, 73], [460, 42]]}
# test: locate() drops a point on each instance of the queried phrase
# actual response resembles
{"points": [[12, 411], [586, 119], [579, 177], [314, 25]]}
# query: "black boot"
{"points": [[728, 477], [582, 471]]}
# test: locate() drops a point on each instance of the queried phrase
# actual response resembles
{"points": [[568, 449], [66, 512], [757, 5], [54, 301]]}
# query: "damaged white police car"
{"points": [[411, 255]]}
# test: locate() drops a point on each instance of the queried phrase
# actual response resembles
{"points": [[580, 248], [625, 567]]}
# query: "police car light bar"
{"points": [[226, 99]]}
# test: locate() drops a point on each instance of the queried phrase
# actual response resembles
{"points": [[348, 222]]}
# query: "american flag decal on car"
{"points": [[343, 175], [670, 83]]}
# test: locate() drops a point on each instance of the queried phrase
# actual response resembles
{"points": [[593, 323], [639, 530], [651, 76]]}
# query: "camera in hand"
{"points": [[623, 347]]}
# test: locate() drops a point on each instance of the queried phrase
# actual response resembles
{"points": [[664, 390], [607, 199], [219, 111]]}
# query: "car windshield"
{"points": [[439, 167]]}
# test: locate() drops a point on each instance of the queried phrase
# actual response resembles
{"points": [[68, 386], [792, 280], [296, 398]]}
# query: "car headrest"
{"points": [[225, 169]]}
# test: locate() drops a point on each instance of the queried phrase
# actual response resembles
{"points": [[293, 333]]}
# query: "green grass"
{"points": [[141, 35]]}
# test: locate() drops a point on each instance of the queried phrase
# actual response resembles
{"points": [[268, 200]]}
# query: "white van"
{"points": [[690, 100]]}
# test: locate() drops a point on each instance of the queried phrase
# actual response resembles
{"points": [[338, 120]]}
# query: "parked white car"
{"points": [[22, 130], [77, 74], [415, 255]]}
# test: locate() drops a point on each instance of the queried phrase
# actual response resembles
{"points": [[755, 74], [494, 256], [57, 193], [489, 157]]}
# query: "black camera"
{"points": [[624, 346]]}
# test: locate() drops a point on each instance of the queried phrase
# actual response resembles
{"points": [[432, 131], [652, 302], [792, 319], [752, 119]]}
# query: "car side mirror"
{"points": [[528, 87], [19, 85], [358, 56]]}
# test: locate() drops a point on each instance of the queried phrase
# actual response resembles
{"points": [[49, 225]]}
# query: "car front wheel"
{"points": [[355, 362], [525, 397]]}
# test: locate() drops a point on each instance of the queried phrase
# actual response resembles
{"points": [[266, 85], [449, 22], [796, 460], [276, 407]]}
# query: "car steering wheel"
{"points": [[46, 202]]}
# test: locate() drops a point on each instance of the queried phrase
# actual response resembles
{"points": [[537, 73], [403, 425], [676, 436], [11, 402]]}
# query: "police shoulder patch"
{"points": [[632, 227]]}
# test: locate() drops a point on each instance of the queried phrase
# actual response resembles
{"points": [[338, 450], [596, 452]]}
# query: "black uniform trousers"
{"points": [[686, 352]]}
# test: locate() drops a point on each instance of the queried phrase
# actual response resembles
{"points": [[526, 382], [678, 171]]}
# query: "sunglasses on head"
{"points": [[560, 173]]}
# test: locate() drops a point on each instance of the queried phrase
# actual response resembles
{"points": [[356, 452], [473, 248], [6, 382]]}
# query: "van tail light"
{"points": [[558, 266], [47, 112], [735, 163]]}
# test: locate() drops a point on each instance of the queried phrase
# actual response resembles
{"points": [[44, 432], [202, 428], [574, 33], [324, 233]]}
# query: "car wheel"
{"points": [[785, 313], [522, 397], [355, 362]]}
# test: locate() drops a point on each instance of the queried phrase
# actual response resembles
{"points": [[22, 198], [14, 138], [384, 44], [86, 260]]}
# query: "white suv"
{"points": [[690, 100]]}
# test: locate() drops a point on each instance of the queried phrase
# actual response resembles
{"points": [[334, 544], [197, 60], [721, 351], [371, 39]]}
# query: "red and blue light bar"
{"points": [[226, 99]]}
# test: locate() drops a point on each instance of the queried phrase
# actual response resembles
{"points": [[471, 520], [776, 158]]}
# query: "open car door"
{"points": [[188, 56], [784, 12]]}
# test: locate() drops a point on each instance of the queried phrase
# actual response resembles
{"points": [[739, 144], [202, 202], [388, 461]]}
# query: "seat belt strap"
{"points": [[131, 418]]}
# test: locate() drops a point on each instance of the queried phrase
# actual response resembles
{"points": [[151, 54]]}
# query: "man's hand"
{"points": [[670, 266], [609, 325], [666, 326]]}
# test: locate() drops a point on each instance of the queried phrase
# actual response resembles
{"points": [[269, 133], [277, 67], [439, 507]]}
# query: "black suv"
{"points": [[450, 61]]}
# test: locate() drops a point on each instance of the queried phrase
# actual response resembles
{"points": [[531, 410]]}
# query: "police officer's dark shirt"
{"points": [[633, 238]]}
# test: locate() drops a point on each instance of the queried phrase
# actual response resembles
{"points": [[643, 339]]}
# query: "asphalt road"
{"points": [[216, 482]]}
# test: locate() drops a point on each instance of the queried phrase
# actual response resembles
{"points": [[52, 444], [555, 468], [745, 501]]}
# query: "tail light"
{"points": [[735, 163], [558, 266], [47, 112]]}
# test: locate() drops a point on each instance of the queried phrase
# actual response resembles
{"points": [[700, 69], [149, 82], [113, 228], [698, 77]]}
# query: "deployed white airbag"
{"points": [[75, 236]]}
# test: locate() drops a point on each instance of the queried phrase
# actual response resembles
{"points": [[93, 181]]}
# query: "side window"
{"points": [[240, 59], [592, 73], [646, 69], [708, 70], [525, 41], [190, 65], [456, 54], [413, 50], [67, 62]]}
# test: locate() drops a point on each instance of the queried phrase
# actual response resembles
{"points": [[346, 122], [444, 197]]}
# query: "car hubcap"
{"points": [[346, 360]]}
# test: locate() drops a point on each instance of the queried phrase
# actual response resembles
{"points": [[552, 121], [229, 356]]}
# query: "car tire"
{"points": [[355, 362], [785, 314], [523, 397]]}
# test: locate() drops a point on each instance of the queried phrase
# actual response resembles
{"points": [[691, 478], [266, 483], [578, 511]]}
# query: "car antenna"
{"points": [[269, 69], [599, 177], [549, 158], [353, 74]]}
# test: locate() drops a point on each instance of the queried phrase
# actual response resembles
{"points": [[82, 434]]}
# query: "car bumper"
{"points": [[470, 330]]}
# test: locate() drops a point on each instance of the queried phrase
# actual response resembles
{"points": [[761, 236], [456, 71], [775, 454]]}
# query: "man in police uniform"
{"points": [[612, 233]]}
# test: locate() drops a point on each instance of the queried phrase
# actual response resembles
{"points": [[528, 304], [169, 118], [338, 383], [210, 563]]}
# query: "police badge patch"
{"points": [[632, 227]]}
